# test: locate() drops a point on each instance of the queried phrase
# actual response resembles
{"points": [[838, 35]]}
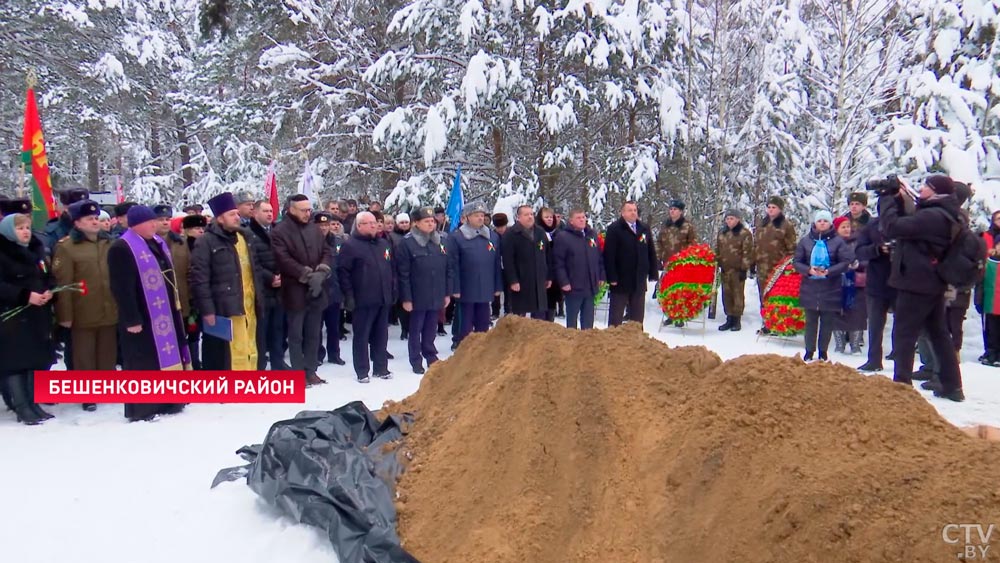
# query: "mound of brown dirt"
{"points": [[538, 444]]}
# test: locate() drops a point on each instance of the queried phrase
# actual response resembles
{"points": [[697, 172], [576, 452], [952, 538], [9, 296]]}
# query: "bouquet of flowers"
{"points": [[79, 287], [782, 314], [602, 289], [686, 286]]}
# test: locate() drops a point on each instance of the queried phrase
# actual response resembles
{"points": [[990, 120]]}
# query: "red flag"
{"points": [[271, 188], [119, 190], [36, 161]]}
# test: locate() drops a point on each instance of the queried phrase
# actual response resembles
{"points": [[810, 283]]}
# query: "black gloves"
{"points": [[315, 279], [316, 284]]}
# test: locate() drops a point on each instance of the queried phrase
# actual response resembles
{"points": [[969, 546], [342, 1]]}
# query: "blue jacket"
{"points": [[423, 273], [578, 261], [824, 294], [365, 271], [474, 265]]}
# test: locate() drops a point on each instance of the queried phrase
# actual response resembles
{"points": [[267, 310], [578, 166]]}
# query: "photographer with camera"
{"points": [[924, 236]]}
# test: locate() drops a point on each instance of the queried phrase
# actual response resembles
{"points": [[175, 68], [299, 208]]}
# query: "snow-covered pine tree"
{"points": [[768, 148], [949, 94], [850, 95]]}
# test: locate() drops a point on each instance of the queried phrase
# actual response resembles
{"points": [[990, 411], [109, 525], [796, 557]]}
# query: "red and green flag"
{"points": [[37, 163], [991, 288]]}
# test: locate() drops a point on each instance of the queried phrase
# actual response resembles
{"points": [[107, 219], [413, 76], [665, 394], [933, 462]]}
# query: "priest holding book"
{"points": [[224, 290], [150, 325]]}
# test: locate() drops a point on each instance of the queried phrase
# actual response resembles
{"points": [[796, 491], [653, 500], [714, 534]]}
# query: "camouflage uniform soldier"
{"points": [[858, 213], [775, 241], [676, 235], [734, 252]]}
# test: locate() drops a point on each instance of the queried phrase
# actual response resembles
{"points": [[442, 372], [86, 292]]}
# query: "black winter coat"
{"points": [[475, 266], [365, 271], [526, 262], [823, 294], [332, 285], [25, 340], [878, 265], [921, 239], [554, 294], [629, 258], [423, 273], [298, 246], [266, 265], [578, 262], [215, 277]]}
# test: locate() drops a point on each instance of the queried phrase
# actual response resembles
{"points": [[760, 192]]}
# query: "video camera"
{"points": [[888, 186]]}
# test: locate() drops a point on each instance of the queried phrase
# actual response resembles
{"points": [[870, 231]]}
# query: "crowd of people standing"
{"points": [[238, 288]]}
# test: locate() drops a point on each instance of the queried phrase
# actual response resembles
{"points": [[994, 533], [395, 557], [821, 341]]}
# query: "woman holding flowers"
{"points": [[25, 316], [821, 257]]}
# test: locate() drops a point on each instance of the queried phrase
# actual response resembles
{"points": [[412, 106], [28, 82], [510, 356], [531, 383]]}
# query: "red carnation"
{"points": [[83, 287]]}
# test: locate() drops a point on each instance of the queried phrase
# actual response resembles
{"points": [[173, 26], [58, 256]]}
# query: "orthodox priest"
{"points": [[150, 325], [223, 284]]}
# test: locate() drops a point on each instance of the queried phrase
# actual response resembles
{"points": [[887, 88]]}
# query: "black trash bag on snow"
{"points": [[332, 470]]}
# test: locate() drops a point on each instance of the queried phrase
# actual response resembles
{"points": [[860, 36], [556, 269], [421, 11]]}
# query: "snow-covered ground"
{"points": [[92, 488]]}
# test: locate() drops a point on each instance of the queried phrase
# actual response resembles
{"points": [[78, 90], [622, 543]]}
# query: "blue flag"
{"points": [[456, 202]]}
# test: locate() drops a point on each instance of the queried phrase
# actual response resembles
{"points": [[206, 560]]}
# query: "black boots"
{"points": [[870, 367], [21, 399], [954, 395], [732, 323], [991, 359]]}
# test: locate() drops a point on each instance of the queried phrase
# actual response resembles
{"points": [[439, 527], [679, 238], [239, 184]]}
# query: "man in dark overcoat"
{"points": [[303, 259], [526, 269]]}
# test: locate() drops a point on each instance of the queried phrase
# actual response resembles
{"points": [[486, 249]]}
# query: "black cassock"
{"points": [[139, 350]]}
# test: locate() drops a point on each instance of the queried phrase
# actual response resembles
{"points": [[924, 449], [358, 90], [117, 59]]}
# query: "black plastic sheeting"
{"points": [[332, 470]]}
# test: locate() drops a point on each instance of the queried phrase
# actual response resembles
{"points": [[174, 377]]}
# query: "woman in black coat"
{"points": [[850, 326], [820, 294], [26, 339], [546, 219]]}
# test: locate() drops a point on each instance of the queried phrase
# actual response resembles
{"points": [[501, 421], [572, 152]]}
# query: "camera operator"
{"points": [[923, 234]]}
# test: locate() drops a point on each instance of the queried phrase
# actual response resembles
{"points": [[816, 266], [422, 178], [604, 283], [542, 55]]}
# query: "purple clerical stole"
{"points": [[171, 354]]}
